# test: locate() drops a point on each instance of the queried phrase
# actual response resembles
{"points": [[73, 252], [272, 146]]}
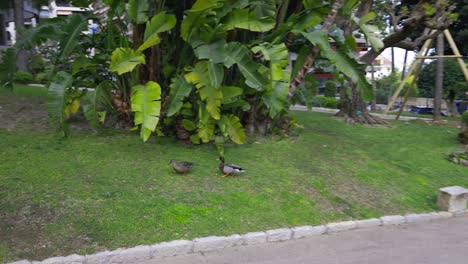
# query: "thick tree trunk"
{"points": [[22, 59], [354, 109], [452, 107], [439, 78]]}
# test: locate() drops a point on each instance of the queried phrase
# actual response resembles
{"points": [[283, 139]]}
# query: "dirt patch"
{"points": [[23, 113]]}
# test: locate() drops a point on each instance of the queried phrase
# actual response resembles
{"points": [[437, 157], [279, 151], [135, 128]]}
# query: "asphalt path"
{"points": [[436, 242]]}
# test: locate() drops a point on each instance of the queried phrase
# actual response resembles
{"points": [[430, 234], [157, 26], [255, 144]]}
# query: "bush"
{"points": [[330, 89], [327, 102], [23, 77], [464, 118], [37, 64], [41, 78]]}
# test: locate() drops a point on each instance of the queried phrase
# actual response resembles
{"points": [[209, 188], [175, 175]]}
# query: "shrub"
{"points": [[330, 89], [41, 78], [23, 77], [327, 102], [37, 64], [464, 118]]}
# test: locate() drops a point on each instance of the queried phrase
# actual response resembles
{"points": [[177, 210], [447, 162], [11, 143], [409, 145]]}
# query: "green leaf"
{"points": [[371, 32], [213, 98], [70, 34], [195, 139], [138, 10], [159, 23], [234, 129], [56, 100], [124, 60], [345, 64], [229, 92], [146, 103], [206, 124], [8, 68], [246, 19], [93, 101], [188, 125], [179, 90], [216, 72], [233, 53]]}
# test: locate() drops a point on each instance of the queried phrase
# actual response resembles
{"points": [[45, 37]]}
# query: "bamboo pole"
{"points": [[439, 56], [455, 50], [426, 45], [408, 92]]}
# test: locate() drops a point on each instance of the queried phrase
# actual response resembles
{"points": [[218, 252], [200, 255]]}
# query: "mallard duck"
{"points": [[229, 169], [182, 166]]}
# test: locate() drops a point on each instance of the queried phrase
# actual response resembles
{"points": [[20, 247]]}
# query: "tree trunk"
{"points": [[439, 78], [354, 110], [22, 59], [452, 107], [309, 61]]}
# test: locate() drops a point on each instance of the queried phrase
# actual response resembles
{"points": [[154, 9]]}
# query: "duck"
{"points": [[229, 169], [182, 166]]}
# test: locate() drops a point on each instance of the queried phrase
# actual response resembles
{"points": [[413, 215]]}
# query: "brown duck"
{"points": [[182, 166]]}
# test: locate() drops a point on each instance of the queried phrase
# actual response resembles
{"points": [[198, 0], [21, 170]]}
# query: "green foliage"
{"points": [[370, 31], [326, 102], [246, 19], [330, 89], [344, 63], [452, 76], [23, 77], [57, 100], [138, 10], [146, 103], [92, 108], [125, 60], [8, 68], [159, 23], [41, 78], [179, 90], [464, 118], [37, 64]]}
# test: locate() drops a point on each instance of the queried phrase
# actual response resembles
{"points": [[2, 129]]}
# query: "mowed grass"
{"points": [[93, 192]]}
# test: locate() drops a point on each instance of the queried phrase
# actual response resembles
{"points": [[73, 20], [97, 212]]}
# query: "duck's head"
{"points": [[171, 161], [221, 158]]}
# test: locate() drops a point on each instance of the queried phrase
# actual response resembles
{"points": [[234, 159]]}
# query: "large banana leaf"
{"points": [[206, 124], [159, 23], [179, 90], [370, 31], [246, 19], [275, 95], [125, 60], [56, 100], [213, 98], [70, 34], [216, 72], [138, 10], [233, 53], [199, 75], [344, 63], [93, 101], [146, 103], [231, 125]]}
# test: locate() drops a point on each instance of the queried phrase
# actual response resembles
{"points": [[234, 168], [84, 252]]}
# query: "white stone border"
{"points": [[205, 244]]}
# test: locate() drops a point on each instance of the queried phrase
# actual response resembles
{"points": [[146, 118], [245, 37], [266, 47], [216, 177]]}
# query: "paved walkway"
{"points": [[438, 242], [334, 111]]}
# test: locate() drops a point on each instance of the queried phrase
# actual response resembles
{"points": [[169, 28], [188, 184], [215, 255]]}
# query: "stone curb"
{"points": [[198, 245]]}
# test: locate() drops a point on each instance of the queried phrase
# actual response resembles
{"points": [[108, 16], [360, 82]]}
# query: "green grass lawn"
{"points": [[95, 192]]}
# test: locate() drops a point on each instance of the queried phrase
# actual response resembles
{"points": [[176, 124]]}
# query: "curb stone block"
{"points": [[417, 218], [440, 215], [254, 238], [172, 248], [215, 242], [23, 261], [393, 220], [459, 214], [373, 222], [280, 234], [341, 226], [306, 231], [98, 258], [72, 259], [130, 255]]}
